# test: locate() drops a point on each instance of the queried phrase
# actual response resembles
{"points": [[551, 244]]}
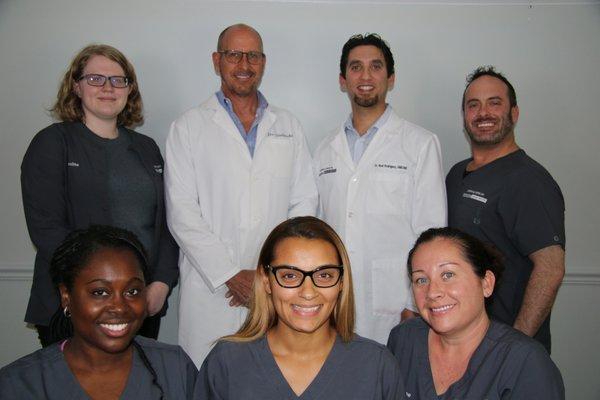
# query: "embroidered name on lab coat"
{"points": [[327, 170], [158, 168], [72, 164], [280, 134], [390, 166], [475, 195]]}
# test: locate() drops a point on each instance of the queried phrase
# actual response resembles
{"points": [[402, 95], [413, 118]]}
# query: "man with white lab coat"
{"points": [[381, 183], [236, 166]]}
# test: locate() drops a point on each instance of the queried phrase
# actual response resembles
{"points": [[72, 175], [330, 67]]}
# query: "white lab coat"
{"points": [[379, 207], [221, 205]]}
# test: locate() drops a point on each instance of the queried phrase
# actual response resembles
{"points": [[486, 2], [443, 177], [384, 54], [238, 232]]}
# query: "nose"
{"points": [[118, 304], [107, 85], [308, 290], [365, 73], [434, 291]]}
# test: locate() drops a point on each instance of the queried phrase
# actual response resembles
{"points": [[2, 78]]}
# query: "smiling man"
{"points": [[502, 196], [236, 166], [380, 183]]}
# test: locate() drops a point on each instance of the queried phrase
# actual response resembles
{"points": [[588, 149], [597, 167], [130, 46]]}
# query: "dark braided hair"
{"points": [[73, 255], [150, 368]]}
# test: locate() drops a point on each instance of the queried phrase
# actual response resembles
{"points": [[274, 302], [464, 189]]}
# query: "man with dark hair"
{"points": [[381, 184], [236, 166], [502, 196]]}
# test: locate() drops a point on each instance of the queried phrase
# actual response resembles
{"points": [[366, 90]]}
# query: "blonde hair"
{"points": [[68, 104], [262, 315]]}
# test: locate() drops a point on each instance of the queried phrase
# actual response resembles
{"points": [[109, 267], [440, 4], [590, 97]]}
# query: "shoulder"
{"points": [[162, 352], [53, 135], [509, 340], [409, 132], [32, 365], [409, 328], [368, 350], [229, 352], [198, 113], [525, 168], [142, 140], [326, 142]]}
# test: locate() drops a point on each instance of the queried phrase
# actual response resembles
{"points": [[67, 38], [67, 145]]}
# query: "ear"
{"points": [[216, 58], [343, 86], [488, 282], [514, 113], [65, 298], [77, 89], [391, 81], [265, 280]]}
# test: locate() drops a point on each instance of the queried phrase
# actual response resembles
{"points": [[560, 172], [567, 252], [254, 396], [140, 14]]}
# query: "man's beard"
{"points": [[493, 138], [366, 102]]}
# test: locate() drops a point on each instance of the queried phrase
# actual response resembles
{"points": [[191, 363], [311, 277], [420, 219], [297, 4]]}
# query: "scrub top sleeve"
{"points": [[303, 190], [7, 384], [392, 384], [205, 251], [189, 373], [43, 186], [533, 213], [538, 378], [429, 200], [212, 378]]}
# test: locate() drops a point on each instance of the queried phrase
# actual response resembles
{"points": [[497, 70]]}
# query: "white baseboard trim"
{"points": [[24, 272]]}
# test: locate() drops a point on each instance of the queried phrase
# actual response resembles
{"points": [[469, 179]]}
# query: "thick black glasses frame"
{"points": [[305, 274]]}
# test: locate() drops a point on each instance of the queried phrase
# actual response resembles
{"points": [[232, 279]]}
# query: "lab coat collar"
{"points": [[393, 126]]}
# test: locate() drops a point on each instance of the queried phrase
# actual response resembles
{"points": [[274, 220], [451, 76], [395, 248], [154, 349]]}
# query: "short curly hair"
{"points": [[490, 70], [68, 104]]}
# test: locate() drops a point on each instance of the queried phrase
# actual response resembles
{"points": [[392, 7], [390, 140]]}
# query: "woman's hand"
{"points": [[156, 294]]}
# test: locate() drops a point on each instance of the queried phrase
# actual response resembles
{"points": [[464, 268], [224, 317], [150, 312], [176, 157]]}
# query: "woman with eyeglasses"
{"points": [[454, 350], [101, 274], [91, 168], [298, 339]]}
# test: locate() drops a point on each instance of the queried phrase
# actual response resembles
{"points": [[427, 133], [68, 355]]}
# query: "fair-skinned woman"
{"points": [[297, 341], [101, 275], [91, 169], [454, 350]]}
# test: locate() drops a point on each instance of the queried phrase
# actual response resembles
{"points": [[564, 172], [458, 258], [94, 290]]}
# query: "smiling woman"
{"points": [[298, 339], [101, 274], [454, 350]]}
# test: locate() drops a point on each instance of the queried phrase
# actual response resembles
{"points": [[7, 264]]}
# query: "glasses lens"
{"points": [[326, 277], [119, 81], [254, 57], [96, 80], [288, 277], [233, 56]]}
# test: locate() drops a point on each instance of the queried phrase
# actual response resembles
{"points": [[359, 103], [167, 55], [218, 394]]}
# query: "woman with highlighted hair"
{"points": [[298, 339]]}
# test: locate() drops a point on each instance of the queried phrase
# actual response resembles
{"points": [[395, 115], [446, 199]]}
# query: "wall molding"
{"points": [[24, 272]]}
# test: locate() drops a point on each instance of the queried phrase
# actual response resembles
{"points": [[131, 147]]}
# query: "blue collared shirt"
{"points": [[250, 136], [357, 143]]}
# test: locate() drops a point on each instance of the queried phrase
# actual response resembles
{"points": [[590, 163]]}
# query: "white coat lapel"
{"points": [[340, 145], [222, 119], [264, 126], [378, 144]]}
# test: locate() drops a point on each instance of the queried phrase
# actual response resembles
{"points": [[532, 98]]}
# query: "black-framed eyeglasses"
{"points": [[100, 80], [290, 277], [235, 56]]}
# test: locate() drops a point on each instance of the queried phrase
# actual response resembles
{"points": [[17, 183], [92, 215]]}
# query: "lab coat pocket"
{"points": [[386, 281], [281, 156], [387, 192]]}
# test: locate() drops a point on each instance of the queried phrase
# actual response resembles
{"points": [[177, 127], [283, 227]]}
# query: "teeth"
{"points": [[366, 87], [305, 309], [485, 125], [114, 327], [442, 308]]}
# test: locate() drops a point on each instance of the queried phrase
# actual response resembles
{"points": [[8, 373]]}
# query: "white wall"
{"points": [[550, 51]]}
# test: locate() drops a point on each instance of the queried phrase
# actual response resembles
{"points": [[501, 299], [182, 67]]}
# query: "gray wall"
{"points": [[550, 51]]}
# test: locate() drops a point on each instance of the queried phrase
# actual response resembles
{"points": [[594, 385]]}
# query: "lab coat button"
{"points": [[355, 179]]}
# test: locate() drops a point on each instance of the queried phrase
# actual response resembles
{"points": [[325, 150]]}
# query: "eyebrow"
{"points": [[444, 264], [105, 281]]}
